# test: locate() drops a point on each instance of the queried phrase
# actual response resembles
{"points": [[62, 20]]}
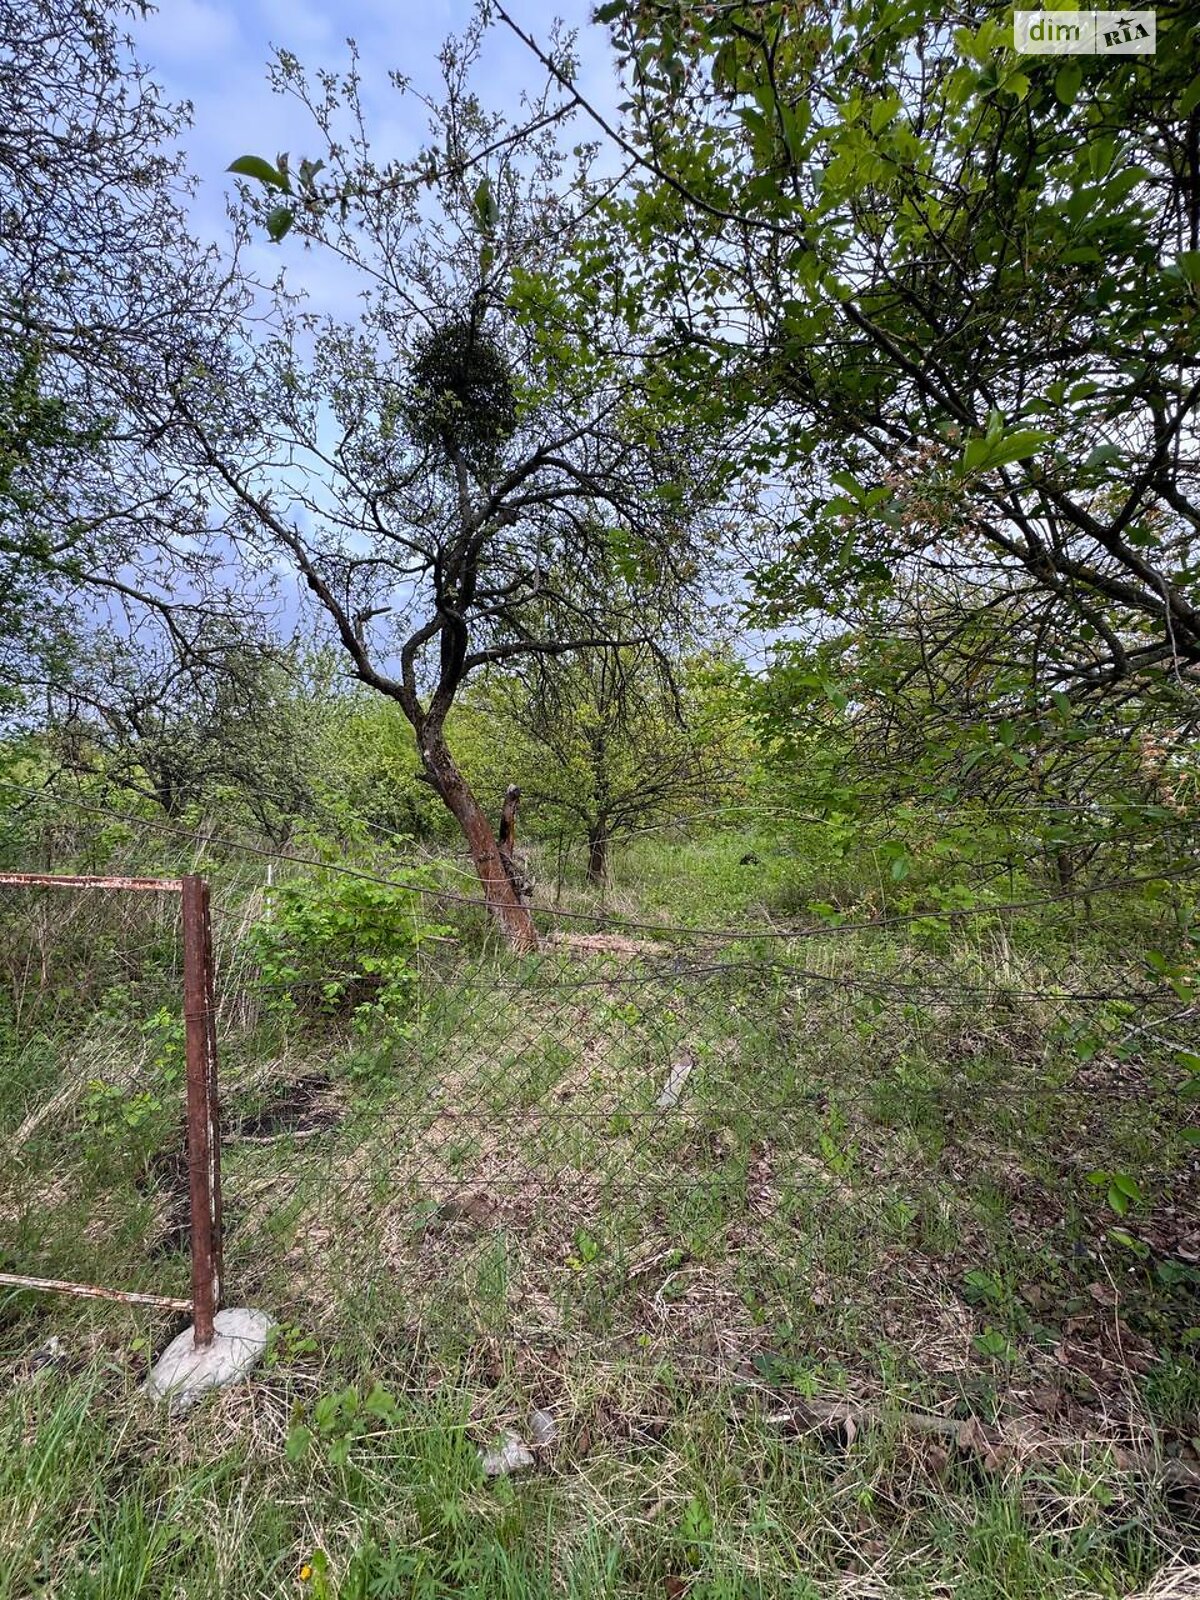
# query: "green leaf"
{"points": [[298, 1440], [1017, 446], [696, 1524], [1101, 156], [1121, 1237], [1067, 81], [847, 481], [487, 211], [1017, 83], [1190, 98], [1104, 455], [991, 1342], [983, 453], [1189, 265], [279, 221], [795, 125], [610, 12], [984, 1284], [379, 1403], [256, 167], [882, 113]]}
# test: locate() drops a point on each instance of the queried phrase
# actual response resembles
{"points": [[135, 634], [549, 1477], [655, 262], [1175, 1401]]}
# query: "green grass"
{"points": [[680, 1487], [875, 1190]]}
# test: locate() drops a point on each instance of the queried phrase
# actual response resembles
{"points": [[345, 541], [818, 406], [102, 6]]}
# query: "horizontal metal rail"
{"points": [[52, 880], [91, 1291]]}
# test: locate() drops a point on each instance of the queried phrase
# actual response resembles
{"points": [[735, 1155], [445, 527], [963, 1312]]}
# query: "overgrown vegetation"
{"points": [[911, 1168], [780, 1132]]}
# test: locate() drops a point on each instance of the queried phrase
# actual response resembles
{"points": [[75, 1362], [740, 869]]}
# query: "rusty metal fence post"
{"points": [[202, 1113], [203, 1120]]}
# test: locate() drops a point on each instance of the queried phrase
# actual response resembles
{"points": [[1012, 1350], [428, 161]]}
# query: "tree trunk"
{"points": [[507, 842], [1064, 867], [597, 866], [508, 821], [499, 888]]}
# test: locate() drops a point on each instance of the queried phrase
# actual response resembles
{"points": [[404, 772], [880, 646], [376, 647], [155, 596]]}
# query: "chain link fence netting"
{"points": [[941, 1145], [956, 1144], [109, 1185]]}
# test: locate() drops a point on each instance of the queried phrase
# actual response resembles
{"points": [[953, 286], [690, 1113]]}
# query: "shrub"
{"points": [[344, 947]]}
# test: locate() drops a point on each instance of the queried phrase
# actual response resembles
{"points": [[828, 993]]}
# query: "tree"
{"points": [[370, 785], [107, 310], [963, 285], [466, 476], [896, 734], [617, 741], [229, 724]]}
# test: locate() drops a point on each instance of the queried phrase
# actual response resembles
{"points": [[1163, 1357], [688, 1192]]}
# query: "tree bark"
{"points": [[508, 819], [508, 845], [597, 866], [499, 887]]}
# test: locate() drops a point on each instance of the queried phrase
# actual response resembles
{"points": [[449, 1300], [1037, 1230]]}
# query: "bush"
{"points": [[343, 947]]}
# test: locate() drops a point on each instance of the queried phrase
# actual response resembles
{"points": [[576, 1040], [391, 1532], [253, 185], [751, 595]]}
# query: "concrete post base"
{"points": [[182, 1373]]}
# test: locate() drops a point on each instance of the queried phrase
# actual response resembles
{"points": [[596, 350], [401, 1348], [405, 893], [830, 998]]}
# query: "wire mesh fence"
{"points": [[934, 1140], [741, 1154]]}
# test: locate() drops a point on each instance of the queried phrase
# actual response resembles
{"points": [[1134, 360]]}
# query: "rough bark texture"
{"points": [[520, 880], [597, 865], [508, 820], [495, 873]]}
